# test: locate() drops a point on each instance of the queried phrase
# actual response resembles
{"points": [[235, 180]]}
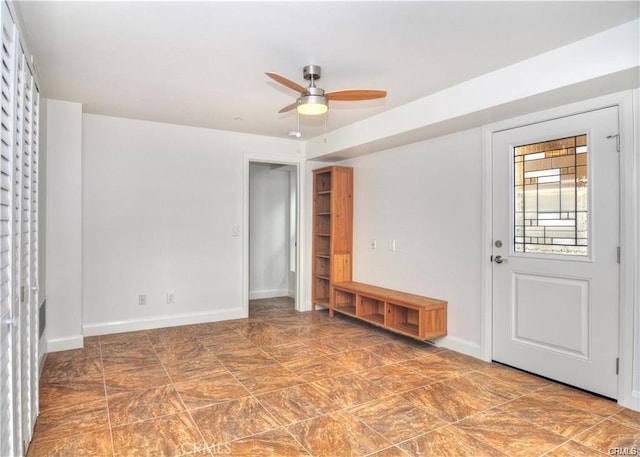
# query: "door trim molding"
{"points": [[629, 307]]}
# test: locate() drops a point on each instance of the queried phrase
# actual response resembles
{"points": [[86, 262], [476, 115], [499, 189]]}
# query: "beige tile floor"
{"points": [[286, 383]]}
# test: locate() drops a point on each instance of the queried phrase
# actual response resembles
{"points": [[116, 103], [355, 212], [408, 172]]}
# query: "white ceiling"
{"points": [[203, 63]]}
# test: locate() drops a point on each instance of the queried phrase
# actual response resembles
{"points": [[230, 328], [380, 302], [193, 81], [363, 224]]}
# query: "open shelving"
{"points": [[412, 315], [332, 231], [416, 316]]}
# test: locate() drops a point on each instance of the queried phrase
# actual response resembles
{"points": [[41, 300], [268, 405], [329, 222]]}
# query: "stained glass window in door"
{"points": [[551, 197]]}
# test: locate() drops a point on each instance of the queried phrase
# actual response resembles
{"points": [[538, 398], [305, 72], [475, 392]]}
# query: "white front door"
{"points": [[555, 249]]}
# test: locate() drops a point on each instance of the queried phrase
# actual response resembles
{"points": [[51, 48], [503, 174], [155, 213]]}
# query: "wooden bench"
{"points": [[412, 315]]}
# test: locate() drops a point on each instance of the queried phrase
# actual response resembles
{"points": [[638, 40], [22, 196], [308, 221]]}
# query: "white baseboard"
{"points": [[460, 345], [268, 293], [64, 344], [147, 323], [635, 401]]}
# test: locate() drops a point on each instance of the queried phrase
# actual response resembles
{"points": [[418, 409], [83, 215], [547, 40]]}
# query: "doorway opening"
{"points": [[272, 237]]}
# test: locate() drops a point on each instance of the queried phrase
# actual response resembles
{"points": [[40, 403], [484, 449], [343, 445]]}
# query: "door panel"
{"points": [[555, 233], [561, 304]]}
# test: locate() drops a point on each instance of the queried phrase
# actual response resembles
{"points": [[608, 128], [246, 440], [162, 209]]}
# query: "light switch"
{"points": [[235, 230], [392, 245]]}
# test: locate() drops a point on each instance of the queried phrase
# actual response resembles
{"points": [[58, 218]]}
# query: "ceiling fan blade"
{"points": [[288, 108], [286, 82], [354, 95]]}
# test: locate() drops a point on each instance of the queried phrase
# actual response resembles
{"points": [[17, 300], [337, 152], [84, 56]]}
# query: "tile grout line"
{"points": [[215, 356], [174, 387], [445, 423], [106, 399], [557, 447], [251, 394], [604, 419], [282, 425], [571, 438]]}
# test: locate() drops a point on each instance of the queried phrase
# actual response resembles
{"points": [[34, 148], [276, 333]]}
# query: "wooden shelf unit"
{"points": [[332, 231], [416, 316]]}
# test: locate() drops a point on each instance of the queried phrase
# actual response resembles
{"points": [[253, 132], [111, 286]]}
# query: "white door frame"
{"points": [[629, 321], [300, 267]]}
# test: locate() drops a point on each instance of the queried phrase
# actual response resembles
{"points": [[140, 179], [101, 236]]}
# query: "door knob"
{"points": [[499, 259]]}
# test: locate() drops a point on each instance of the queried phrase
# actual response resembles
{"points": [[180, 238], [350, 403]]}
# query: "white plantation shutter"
{"points": [[26, 312], [29, 314], [19, 111], [18, 292], [8, 432], [35, 301]]}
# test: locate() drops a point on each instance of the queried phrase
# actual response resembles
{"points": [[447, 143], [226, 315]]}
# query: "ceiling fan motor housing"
{"points": [[313, 96], [313, 90], [312, 72]]}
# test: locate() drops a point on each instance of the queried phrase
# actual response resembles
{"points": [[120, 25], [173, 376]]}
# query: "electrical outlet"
{"points": [[373, 243], [142, 299], [171, 297]]}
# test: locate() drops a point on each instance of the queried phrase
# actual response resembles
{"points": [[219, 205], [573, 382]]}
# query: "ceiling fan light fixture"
{"points": [[312, 105], [313, 101]]}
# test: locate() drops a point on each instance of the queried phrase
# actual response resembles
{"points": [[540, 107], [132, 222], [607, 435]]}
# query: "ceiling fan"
{"points": [[313, 100]]}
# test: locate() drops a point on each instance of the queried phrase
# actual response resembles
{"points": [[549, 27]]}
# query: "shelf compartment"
{"points": [[322, 203], [323, 182], [322, 266], [370, 309], [322, 244], [321, 291], [403, 319], [322, 224], [344, 302]]}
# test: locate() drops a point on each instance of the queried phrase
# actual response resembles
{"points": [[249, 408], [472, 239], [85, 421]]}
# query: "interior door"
{"points": [[555, 249]]}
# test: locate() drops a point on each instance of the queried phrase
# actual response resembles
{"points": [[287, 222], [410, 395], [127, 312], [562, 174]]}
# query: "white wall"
{"points": [[427, 197], [268, 231], [63, 224], [159, 205]]}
